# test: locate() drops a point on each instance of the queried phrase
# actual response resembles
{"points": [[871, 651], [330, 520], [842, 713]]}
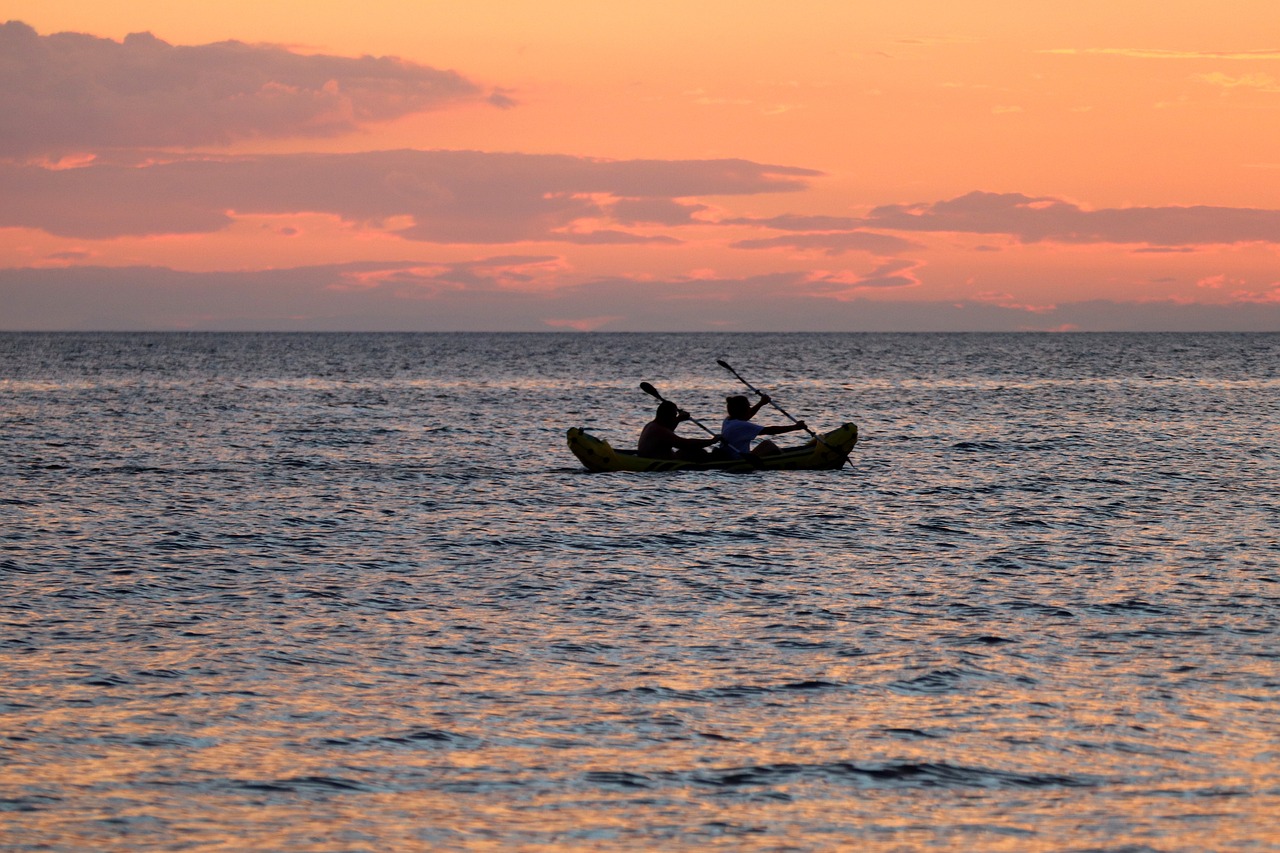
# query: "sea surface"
{"points": [[351, 592]]}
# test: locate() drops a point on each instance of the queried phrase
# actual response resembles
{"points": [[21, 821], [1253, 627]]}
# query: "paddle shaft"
{"points": [[653, 392], [760, 393]]}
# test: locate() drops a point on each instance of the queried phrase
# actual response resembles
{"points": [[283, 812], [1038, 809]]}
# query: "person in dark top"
{"points": [[658, 439]]}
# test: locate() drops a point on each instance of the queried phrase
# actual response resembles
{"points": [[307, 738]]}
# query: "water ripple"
{"points": [[333, 593]]}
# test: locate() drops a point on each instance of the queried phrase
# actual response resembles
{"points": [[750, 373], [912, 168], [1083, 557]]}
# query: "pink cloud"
{"points": [[75, 92], [1218, 282], [70, 256], [1271, 296], [800, 222], [612, 237], [417, 281], [450, 196], [834, 243], [513, 292], [654, 211], [1027, 219], [845, 285], [584, 324], [510, 292], [895, 273], [1007, 300], [1033, 220]]}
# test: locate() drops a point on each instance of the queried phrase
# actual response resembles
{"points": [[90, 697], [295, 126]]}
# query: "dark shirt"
{"points": [[657, 441]]}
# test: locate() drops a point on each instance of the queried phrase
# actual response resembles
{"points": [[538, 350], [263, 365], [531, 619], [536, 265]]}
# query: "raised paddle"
{"points": [[760, 393], [653, 392]]}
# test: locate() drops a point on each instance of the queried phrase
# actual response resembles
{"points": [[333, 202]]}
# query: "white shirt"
{"points": [[738, 435]]}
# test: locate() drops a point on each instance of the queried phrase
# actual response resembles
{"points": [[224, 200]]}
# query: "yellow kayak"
{"points": [[828, 453]]}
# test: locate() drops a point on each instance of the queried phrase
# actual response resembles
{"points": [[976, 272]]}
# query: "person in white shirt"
{"points": [[737, 431]]}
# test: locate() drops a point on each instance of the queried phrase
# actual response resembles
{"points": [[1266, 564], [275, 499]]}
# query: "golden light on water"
{"points": [[254, 606]]}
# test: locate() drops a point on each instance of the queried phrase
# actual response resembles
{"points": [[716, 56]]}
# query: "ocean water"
{"points": [[352, 593]]}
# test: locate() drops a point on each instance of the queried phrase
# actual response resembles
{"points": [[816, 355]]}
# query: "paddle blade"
{"points": [[723, 364], [650, 390]]}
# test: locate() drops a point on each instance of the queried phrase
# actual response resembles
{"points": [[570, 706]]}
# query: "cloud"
{"points": [[447, 196], [70, 256], [1033, 220], [800, 222], [1007, 300], [655, 211], [896, 273], [511, 293], [584, 324], [358, 296], [834, 243], [426, 280], [1151, 53], [1029, 219], [1269, 297], [73, 92], [612, 237], [1217, 282], [845, 285], [1258, 82], [832, 235]]}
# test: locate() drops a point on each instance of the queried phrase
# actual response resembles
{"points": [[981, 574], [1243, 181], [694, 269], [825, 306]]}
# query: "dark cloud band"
{"points": [[72, 92], [449, 196]]}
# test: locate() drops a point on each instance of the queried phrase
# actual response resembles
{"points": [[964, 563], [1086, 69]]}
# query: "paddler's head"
{"points": [[739, 407]]}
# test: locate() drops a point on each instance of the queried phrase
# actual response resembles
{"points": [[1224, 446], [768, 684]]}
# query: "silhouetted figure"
{"points": [[738, 431], [658, 439]]}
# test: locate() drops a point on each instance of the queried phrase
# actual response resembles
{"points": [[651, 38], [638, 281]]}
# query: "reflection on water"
{"points": [[352, 593]]}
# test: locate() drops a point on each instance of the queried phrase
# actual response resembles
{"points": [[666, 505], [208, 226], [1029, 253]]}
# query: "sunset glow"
{"points": [[657, 166]]}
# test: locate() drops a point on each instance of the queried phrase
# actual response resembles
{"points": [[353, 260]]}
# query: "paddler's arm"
{"points": [[695, 443], [778, 430], [760, 404]]}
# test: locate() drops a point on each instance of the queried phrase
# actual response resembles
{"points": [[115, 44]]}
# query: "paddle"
{"points": [[653, 392], [760, 393]]}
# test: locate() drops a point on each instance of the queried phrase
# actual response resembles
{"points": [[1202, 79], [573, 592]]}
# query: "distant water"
{"points": [[352, 593]]}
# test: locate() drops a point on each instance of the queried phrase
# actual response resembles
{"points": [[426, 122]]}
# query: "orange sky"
{"points": [[657, 165]]}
